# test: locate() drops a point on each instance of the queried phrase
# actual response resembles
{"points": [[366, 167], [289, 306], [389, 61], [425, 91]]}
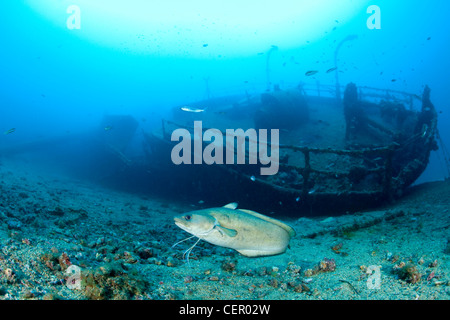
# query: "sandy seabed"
{"points": [[62, 238]]}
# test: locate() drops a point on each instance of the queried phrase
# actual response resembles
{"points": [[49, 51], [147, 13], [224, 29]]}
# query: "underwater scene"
{"points": [[257, 151]]}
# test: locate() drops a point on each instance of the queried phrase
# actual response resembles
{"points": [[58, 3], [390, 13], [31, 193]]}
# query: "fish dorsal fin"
{"points": [[226, 231], [232, 205], [288, 229]]}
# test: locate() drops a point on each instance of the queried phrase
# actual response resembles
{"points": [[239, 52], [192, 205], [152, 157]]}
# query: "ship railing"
{"points": [[380, 159], [319, 89]]}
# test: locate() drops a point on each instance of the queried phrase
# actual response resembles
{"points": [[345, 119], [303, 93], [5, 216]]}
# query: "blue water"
{"points": [[56, 80]]}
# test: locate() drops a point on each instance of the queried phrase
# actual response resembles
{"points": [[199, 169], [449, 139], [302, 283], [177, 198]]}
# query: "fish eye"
{"points": [[187, 218]]}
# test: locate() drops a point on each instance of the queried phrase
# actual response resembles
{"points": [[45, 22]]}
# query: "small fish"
{"points": [[424, 130], [331, 69], [297, 199], [393, 80], [330, 165], [250, 233], [429, 38], [252, 178], [189, 109], [205, 45], [311, 73], [311, 191], [107, 128], [10, 131]]}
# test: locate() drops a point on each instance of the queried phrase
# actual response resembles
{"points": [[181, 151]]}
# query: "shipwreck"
{"points": [[335, 155]]}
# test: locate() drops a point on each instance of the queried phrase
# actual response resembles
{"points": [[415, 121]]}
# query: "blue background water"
{"points": [[123, 60]]}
